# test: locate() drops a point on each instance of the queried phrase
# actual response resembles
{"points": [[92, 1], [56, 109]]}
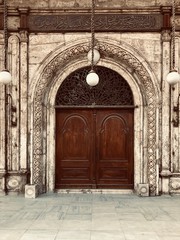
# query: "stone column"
{"points": [[23, 33], [12, 98], [166, 116], [2, 130], [175, 131], [24, 101]]}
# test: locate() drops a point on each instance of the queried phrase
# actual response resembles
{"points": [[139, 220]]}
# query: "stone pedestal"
{"points": [[31, 191], [143, 189]]}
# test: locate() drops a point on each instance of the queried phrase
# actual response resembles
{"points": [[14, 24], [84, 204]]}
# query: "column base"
{"points": [[31, 191], [143, 189]]}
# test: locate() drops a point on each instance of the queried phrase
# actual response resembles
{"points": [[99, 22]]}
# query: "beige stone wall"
{"points": [[147, 44], [87, 3], [30, 53]]}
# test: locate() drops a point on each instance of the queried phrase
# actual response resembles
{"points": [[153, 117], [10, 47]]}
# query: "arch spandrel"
{"points": [[78, 52]]}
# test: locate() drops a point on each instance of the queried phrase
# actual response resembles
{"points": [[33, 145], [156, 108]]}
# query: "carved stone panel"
{"points": [[103, 22], [175, 185]]}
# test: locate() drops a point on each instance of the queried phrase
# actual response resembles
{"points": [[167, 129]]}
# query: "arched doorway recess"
{"points": [[94, 132], [50, 75]]}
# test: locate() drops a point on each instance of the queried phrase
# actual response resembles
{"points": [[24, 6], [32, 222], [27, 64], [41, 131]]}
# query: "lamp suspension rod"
{"points": [[173, 35], [5, 34], [92, 34]]}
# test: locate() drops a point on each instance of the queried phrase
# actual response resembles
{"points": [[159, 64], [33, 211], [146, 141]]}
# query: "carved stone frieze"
{"points": [[103, 22], [53, 69]]}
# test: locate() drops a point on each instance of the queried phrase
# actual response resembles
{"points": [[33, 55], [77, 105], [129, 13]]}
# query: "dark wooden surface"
{"points": [[94, 148]]}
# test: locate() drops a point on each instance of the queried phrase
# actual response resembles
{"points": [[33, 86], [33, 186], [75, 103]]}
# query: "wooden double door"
{"points": [[94, 148]]}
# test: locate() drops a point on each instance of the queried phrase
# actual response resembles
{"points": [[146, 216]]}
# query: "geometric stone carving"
{"points": [[175, 185], [15, 181], [143, 189], [13, 184], [31, 191]]}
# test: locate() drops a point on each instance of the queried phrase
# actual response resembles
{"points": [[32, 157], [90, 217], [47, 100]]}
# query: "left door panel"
{"points": [[74, 159]]}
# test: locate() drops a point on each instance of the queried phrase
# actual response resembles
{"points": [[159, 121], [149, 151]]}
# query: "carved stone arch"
{"points": [[77, 53]]}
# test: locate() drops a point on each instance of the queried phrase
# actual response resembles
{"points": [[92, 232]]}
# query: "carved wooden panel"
{"points": [[94, 148], [111, 90]]}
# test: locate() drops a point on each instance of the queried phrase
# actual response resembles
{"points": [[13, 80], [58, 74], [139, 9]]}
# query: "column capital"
{"points": [[23, 34], [166, 36]]}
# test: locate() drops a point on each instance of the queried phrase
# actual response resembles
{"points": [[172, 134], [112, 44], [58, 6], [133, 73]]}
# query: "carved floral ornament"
{"points": [[53, 68]]}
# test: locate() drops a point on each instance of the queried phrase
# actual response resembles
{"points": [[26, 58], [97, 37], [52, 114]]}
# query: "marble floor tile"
{"points": [[39, 235], [155, 214], [46, 224], [175, 216], [131, 217], [73, 235], [83, 209], [16, 224], [100, 224], [103, 209], [109, 216], [166, 227], [107, 235], [77, 217], [141, 236], [81, 225], [51, 215], [11, 234], [28, 215], [169, 237], [7, 214], [57, 207], [90, 217], [171, 209], [125, 209], [136, 226]]}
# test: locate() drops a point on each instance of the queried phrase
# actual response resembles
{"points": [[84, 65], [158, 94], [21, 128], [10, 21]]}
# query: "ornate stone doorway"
{"points": [[94, 132], [58, 66]]}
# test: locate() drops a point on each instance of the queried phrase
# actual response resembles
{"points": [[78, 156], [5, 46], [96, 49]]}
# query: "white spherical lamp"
{"points": [[96, 56], [173, 77], [92, 78], [5, 77]]}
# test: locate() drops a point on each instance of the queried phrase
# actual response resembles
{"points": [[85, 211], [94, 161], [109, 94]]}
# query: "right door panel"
{"points": [[114, 148]]}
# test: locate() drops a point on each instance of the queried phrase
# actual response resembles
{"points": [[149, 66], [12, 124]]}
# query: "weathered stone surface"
{"points": [[87, 3], [40, 62]]}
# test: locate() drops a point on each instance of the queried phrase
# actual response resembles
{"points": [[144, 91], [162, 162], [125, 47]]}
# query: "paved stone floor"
{"points": [[90, 217]]}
